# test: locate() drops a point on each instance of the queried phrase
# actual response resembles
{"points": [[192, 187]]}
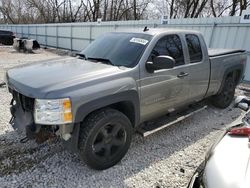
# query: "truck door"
{"points": [[165, 89], [199, 67]]}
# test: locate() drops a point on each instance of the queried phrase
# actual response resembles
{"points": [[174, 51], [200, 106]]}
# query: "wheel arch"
{"points": [[126, 102], [235, 71]]}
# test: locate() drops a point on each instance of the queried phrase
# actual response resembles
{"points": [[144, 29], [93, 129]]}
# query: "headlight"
{"points": [[54, 111]]}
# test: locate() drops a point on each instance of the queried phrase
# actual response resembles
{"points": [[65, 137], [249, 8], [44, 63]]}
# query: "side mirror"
{"points": [[242, 102], [160, 62]]}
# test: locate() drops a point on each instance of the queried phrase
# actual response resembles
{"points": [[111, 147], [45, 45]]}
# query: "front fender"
{"points": [[85, 109], [125, 96]]}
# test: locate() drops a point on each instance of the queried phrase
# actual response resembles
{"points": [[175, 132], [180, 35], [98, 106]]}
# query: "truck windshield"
{"points": [[120, 49]]}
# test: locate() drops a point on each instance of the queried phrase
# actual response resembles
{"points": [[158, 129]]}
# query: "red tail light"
{"points": [[243, 131]]}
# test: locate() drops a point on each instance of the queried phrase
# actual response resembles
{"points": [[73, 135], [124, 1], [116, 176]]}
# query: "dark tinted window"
{"points": [[194, 48], [122, 49], [170, 46]]}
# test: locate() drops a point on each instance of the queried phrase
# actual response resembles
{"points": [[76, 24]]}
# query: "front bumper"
{"points": [[22, 109]]}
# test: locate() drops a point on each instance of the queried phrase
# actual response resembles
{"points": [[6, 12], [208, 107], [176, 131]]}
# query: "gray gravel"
{"points": [[165, 159]]}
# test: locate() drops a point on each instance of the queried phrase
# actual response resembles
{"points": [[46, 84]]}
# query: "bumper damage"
{"points": [[22, 108]]}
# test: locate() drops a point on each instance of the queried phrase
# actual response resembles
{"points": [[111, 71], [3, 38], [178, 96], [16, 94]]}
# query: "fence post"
{"points": [[90, 33], [28, 31], [211, 36], [71, 35], [46, 37], [22, 30], [36, 32], [56, 36]]}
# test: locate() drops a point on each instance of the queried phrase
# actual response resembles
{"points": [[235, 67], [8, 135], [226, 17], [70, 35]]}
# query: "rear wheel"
{"points": [[225, 97], [105, 137]]}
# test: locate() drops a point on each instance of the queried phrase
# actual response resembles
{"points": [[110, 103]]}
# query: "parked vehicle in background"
{"points": [[6, 37], [122, 79], [227, 164]]}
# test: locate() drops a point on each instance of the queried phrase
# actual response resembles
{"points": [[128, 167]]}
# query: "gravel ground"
{"points": [[165, 159], [10, 57]]}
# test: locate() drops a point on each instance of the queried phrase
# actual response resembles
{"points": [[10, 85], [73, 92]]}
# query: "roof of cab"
{"points": [[157, 31]]}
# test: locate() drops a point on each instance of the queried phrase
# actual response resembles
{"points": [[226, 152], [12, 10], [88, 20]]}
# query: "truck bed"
{"points": [[221, 60], [213, 52]]}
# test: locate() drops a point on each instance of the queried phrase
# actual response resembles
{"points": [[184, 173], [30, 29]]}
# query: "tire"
{"points": [[105, 138], [225, 97]]}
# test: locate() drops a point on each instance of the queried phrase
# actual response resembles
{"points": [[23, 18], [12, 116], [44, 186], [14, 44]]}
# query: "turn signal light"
{"points": [[67, 116]]}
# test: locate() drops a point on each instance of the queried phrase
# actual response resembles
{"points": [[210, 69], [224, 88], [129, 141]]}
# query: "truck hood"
{"points": [[36, 80], [229, 165]]}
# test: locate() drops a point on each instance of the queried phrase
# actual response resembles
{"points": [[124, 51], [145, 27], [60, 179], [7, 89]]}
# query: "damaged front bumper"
{"points": [[22, 111]]}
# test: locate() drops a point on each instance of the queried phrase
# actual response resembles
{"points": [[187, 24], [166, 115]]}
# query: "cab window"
{"points": [[194, 48], [169, 46]]}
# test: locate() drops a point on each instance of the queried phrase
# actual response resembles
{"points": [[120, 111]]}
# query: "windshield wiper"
{"points": [[103, 60]]}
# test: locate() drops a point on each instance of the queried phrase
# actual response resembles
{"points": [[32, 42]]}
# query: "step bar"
{"points": [[149, 128]]}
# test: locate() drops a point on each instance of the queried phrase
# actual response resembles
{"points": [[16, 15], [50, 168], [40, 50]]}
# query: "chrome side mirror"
{"points": [[160, 62]]}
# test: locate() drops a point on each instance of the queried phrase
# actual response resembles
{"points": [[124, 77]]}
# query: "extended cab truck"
{"points": [[122, 79]]}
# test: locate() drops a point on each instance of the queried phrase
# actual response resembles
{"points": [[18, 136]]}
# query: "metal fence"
{"points": [[225, 32]]}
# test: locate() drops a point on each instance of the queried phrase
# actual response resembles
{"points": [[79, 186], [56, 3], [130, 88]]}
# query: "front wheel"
{"points": [[105, 137], [225, 97]]}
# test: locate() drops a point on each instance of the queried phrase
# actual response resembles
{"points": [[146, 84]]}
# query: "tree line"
{"points": [[58, 11]]}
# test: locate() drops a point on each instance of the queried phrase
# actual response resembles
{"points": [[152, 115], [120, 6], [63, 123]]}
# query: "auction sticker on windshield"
{"points": [[139, 41]]}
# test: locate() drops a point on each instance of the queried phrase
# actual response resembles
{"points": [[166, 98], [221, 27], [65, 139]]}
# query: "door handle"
{"points": [[182, 74]]}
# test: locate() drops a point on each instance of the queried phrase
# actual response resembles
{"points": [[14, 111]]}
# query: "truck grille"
{"points": [[26, 103]]}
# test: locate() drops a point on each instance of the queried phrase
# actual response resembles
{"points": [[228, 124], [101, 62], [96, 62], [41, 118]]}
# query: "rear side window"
{"points": [[170, 46], [194, 48]]}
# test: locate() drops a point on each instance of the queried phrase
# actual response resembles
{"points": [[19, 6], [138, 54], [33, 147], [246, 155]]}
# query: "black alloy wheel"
{"points": [[105, 137]]}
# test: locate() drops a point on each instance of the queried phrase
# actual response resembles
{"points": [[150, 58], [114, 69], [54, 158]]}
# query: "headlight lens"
{"points": [[54, 111]]}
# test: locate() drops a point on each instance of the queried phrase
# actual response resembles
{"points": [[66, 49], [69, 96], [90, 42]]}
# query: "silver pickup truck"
{"points": [[96, 100]]}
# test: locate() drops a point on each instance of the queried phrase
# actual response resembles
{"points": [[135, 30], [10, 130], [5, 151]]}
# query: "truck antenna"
{"points": [[145, 29]]}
